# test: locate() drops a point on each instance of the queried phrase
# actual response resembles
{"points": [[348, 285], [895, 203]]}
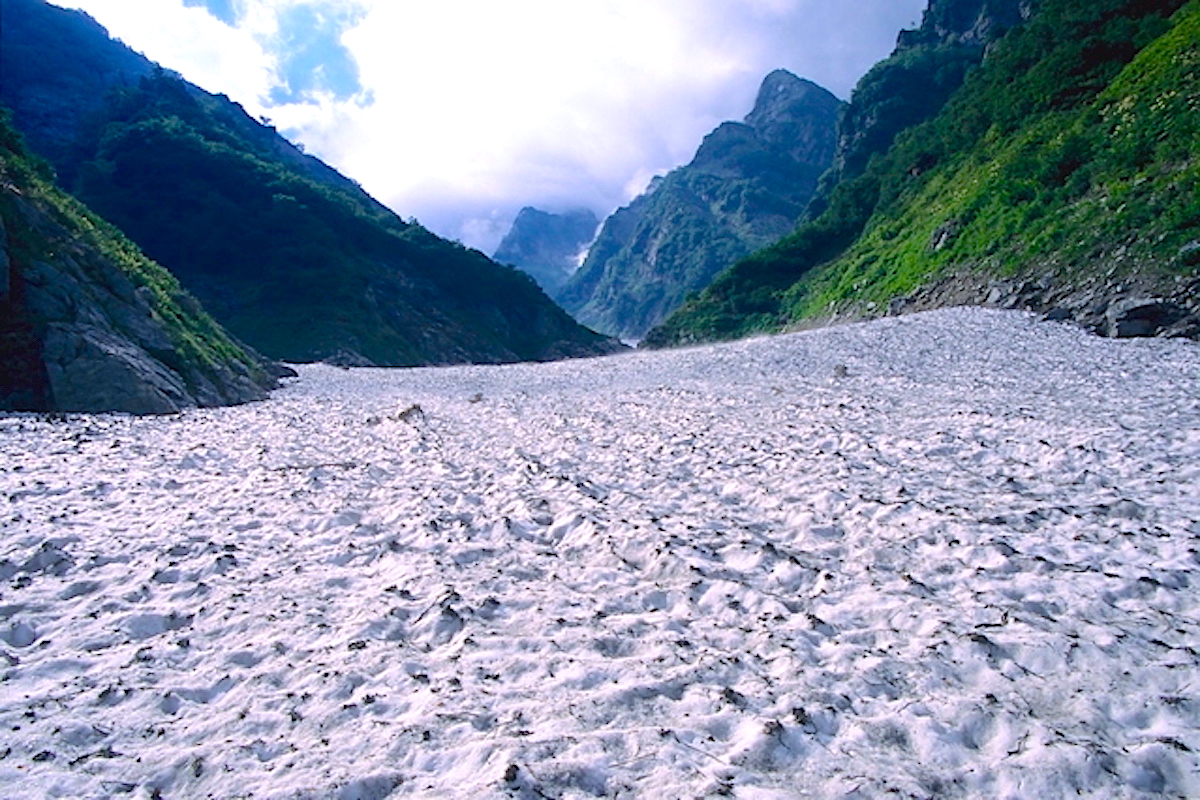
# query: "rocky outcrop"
{"points": [[1149, 316], [79, 332], [744, 189], [547, 246], [973, 23], [1130, 306], [791, 115]]}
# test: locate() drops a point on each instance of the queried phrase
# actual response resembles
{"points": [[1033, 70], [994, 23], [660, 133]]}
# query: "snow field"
{"points": [[946, 555]]}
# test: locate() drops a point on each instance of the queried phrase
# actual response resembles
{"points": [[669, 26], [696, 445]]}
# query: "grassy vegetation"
{"points": [[1072, 149], [1065, 192]]}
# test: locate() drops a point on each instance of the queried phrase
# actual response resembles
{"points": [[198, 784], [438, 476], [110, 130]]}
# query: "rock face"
{"points": [[85, 330], [547, 246], [975, 23], [1147, 316], [745, 188]]}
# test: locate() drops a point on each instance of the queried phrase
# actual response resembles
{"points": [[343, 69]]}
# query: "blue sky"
{"points": [[460, 112], [221, 9], [312, 59]]}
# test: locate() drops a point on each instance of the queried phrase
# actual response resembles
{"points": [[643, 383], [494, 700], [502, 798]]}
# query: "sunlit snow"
{"points": [[946, 555]]}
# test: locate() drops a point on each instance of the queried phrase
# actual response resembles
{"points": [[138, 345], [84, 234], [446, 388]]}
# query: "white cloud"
{"points": [[478, 98], [207, 52], [472, 108]]}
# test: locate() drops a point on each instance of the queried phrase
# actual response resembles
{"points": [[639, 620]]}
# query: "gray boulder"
{"points": [[90, 368], [1142, 317]]}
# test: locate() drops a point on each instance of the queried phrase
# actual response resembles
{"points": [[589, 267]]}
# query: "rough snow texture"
{"points": [[946, 555]]}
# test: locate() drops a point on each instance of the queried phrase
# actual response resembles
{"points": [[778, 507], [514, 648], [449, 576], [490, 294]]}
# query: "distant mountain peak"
{"points": [[781, 81], [792, 113], [548, 246], [576, 215]]}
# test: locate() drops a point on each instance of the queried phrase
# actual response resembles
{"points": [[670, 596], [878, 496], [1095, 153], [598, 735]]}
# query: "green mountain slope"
{"points": [[88, 323], [1062, 177], [746, 187], [64, 65], [912, 85], [290, 256]]}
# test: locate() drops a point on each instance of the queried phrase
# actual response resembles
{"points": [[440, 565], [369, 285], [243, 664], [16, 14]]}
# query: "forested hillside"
{"points": [[1062, 177], [292, 257]]}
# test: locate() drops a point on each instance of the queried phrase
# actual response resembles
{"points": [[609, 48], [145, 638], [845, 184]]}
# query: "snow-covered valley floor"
{"points": [[946, 555]]}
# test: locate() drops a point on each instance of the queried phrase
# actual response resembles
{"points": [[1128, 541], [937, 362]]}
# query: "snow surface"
{"points": [[946, 555]]}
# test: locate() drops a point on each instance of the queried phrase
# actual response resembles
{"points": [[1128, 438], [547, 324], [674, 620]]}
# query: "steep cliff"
{"points": [[745, 188]]}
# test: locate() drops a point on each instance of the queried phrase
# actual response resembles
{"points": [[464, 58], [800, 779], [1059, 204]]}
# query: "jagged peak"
{"points": [[781, 94]]}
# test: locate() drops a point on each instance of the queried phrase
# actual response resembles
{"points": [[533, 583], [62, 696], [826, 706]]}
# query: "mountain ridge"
{"points": [[547, 246], [292, 257], [746, 185]]}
